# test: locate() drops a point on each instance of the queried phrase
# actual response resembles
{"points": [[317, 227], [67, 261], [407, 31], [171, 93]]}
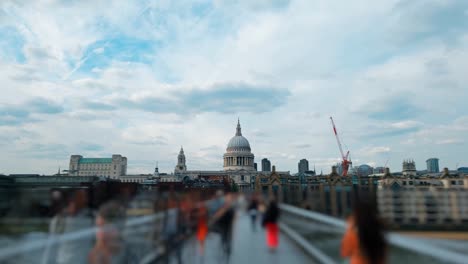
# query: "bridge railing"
{"points": [[147, 238], [41, 249], [320, 235]]}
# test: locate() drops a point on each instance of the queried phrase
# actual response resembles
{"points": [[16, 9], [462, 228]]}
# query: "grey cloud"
{"points": [[391, 108], [260, 133], [157, 140], [21, 113], [151, 104], [385, 131], [220, 98], [91, 84], [91, 147], [8, 135], [302, 146], [437, 67], [419, 20], [44, 106], [47, 151], [211, 148], [25, 73], [39, 53], [98, 106]]}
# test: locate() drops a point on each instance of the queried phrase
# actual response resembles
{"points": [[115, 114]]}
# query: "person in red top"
{"points": [[202, 227], [270, 222], [364, 240]]}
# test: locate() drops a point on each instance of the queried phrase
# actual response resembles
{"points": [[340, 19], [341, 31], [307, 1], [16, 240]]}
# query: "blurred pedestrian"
{"points": [[173, 230], [202, 226], [364, 240], [110, 247], [224, 219], [270, 222], [253, 211], [75, 216]]}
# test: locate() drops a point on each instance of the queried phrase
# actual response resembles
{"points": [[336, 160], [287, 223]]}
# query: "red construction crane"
{"points": [[346, 162]]}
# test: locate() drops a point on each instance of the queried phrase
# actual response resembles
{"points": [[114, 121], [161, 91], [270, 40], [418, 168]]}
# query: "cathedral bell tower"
{"points": [[181, 167]]}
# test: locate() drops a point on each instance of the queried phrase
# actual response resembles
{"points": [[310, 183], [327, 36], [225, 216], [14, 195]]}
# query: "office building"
{"points": [[266, 165], [432, 165], [303, 166], [113, 167]]}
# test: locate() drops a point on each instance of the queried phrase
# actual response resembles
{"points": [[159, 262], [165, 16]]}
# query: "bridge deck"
{"points": [[247, 247]]}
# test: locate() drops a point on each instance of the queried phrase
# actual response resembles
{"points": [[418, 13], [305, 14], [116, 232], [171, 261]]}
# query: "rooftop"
{"points": [[95, 160]]}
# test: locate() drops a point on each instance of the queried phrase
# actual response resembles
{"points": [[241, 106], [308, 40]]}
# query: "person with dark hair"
{"points": [[202, 226], [253, 211], [74, 216], [110, 247], [223, 220], [270, 222], [364, 241]]}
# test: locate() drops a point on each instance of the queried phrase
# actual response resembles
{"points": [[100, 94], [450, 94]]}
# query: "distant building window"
{"points": [[410, 182], [242, 177], [454, 182], [115, 167]]}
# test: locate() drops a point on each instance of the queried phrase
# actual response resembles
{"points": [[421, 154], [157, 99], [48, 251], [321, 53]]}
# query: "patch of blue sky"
{"points": [[201, 9], [102, 53], [221, 26], [11, 45], [280, 4], [271, 5]]}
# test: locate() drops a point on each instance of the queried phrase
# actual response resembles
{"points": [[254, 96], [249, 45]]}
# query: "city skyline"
{"points": [[142, 79]]}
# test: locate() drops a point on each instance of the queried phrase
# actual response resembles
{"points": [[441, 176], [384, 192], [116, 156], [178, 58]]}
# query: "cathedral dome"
{"points": [[238, 156], [238, 143]]}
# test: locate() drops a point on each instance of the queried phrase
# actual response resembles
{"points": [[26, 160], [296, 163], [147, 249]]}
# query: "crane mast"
{"points": [[345, 163]]}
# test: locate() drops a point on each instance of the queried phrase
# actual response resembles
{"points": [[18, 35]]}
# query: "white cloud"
{"points": [[329, 55], [377, 150], [406, 124], [449, 141]]}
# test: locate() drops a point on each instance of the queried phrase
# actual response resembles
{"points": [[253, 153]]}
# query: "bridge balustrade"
{"points": [[320, 235]]}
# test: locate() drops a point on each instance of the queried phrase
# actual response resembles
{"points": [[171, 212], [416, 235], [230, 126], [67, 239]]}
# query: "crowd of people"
{"points": [[185, 216], [189, 217]]}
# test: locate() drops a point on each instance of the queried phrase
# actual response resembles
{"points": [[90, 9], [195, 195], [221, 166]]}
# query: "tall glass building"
{"points": [[432, 165]]}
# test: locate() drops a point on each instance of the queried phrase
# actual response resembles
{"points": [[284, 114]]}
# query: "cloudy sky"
{"points": [[142, 79]]}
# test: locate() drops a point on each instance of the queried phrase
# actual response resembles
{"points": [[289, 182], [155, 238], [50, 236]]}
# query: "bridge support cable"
{"points": [[401, 241]]}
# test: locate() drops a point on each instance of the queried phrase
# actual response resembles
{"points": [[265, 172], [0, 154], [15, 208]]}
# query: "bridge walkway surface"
{"points": [[248, 246]]}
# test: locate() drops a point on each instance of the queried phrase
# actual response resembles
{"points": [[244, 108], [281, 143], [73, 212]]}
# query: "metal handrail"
{"points": [[308, 247], [53, 239], [394, 239], [71, 236]]}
